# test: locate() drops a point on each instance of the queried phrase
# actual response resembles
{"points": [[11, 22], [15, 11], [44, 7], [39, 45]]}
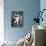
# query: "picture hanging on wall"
{"points": [[17, 18]]}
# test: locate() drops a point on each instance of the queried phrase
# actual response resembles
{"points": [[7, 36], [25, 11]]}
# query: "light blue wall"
{"points": [[43, 6], [29, 7]]}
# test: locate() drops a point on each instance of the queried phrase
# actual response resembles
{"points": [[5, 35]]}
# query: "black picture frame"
{"points": [[17, 18]]}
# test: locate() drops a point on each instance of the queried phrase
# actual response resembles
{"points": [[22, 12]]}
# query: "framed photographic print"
{"points": [[17, 18]]}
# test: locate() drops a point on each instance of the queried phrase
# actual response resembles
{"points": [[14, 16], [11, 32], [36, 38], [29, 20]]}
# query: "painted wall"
{"points": [[43, 6], [29, 7], [1, 21]]}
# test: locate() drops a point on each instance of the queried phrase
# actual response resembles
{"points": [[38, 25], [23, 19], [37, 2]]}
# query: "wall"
{"points": [[29, 7], [1, 21], [43, 6]]}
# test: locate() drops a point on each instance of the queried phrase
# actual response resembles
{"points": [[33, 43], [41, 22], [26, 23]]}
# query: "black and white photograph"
{"points": [[17, 18]]}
